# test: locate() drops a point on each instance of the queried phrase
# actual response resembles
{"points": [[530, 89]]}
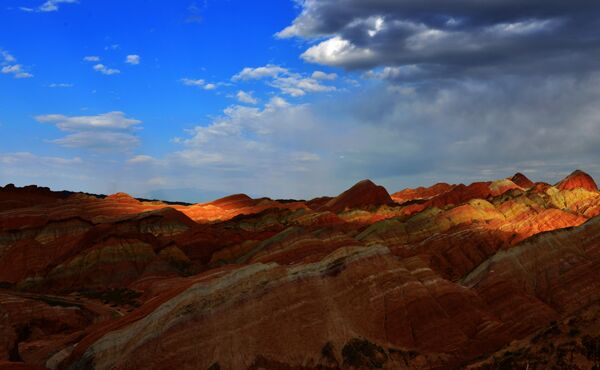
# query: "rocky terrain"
{"points": [[500, 274]]}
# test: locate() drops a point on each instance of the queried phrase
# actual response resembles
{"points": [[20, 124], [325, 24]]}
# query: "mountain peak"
{"points": [[577, 179], [522, 180], [362, 194]]}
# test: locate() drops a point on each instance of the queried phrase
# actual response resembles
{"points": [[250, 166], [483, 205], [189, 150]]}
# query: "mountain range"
{"points": [[501, 274]]}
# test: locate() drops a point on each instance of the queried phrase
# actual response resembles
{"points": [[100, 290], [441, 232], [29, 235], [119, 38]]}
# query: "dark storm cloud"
{"points": [[448, 38]]}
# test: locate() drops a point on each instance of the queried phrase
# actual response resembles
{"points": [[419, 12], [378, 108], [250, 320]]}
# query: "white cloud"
{"points": [[280, 149], [48, 6], [16, 70], [7, 57], [248, 139], [319, 75], [27, 157], [377, 26], [295, 85], [109, 131], [142, 159], [91, 58], [114, 141], [105, 70], [289, 83], [110, 120], [193, 82], [337, 51], [10, 67], [133, 59], [198, 83], [238, 120], [270, 70], [246, 97], [60, 85]]}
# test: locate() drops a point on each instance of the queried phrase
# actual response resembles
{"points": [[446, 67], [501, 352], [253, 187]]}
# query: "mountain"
{"points": [[577, 179], [363, 194], [489, 275], [522, 180]]}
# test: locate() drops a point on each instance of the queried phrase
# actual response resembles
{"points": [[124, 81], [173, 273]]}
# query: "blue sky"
{"points": [[190, 100]]}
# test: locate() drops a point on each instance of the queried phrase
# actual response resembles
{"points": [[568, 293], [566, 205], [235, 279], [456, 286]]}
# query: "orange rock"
{"points": [[577, 179], [421, 193]]}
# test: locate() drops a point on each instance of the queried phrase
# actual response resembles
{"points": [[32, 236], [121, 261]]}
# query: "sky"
{"points": [[193, 100]]}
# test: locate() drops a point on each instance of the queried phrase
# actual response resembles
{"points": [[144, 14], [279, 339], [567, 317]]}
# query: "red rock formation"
{"points": [[522, 180], [577, 179], [548, 275], [12, 197], [421, 192], [355, 281], [363, 194], [300, 310], [234, 201]]}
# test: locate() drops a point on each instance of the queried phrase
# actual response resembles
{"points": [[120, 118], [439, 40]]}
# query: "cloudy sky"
{"points": [[191, 100]]}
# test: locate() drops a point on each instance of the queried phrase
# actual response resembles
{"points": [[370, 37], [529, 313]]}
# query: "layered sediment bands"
{"points": [[110, 263], [434, 277], [559, 267], [75, 253], [287, 315], [295, 245], [421, 193]]}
